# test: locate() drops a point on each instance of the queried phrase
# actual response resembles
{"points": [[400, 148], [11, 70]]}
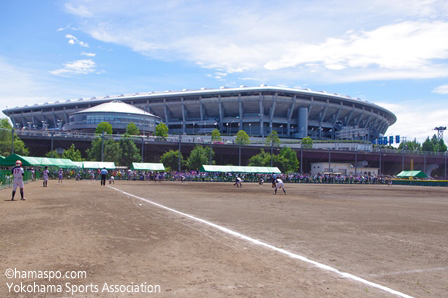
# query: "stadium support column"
{"points": [[290, 112], [220, 113], [165, 107], [183, 115], [272, 112], [241, 112], [302, 122], [260, 102]]}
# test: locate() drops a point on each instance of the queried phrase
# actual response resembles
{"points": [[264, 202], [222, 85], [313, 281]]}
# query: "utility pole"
{"points": [[210, 153], [143, 148], [239, 154], [102, 146], [52, 135], [179, 155], [12, 140]]}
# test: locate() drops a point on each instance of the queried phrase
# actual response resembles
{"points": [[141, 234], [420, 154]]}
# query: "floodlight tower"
{"points": [[440, 130]]}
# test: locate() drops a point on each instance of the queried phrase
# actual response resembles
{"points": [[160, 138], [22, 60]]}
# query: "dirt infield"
{"points": [[395, 237]]}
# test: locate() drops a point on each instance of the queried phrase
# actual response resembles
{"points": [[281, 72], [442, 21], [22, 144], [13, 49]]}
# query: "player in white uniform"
{"points": [[279, 184], [18, 173], [45, 174], [238, 182]]}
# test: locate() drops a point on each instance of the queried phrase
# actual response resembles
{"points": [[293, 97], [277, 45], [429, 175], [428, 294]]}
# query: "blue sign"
{"points": [[384, 140], [391, 140], [397, 139]]}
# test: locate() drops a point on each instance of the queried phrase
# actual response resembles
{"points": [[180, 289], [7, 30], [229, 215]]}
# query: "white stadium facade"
{"points": [[293, 113]]}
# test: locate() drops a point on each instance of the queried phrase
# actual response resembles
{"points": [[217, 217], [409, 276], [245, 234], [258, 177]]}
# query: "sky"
{"points": [[391, 53]]}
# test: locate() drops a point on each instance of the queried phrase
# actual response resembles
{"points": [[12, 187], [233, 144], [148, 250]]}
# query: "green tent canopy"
{"points": [[148, 166], [68, 163], [407, 174], [43, 161], [27, 161], [240, 169]]}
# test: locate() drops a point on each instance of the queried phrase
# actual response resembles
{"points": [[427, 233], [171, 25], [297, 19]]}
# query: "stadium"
{"points": [[293, 113]]}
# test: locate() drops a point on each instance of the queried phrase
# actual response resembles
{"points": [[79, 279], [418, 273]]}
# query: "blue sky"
{"points": [[391, 53]]}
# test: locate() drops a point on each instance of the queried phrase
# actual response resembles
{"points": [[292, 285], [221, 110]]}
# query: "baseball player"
{"points": [[45, 175], [238, 182], [279, 184], [18, 173]]}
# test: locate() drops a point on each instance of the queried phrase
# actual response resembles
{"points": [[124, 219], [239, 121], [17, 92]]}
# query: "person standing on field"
{"points": [[18, 173], [103, 174], [60, 175], [45, 175]]}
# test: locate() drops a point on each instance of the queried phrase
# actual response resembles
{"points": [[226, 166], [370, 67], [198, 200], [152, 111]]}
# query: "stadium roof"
{"points": [[116, 106]]}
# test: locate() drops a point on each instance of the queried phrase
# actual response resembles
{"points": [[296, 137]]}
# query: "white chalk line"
{"points": [[274, 248], [409, 271]]}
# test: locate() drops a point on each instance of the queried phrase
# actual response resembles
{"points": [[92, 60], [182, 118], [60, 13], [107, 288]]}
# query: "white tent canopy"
{"points": [[148, 166]]}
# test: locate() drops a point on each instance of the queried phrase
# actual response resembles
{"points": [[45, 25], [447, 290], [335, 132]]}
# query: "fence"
{"points": [[6, 179]]}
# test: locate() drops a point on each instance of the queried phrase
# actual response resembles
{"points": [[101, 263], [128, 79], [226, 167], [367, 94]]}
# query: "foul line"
{"points": [[274, 248]]}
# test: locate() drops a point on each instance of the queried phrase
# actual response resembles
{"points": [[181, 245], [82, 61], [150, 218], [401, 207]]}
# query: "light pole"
{"points": [[102, 146], [227, 128], [193, 127], [52, 135], [272, 149], [179, 155], [143, 147], [12, 140], [282, 128], [250, 129]]}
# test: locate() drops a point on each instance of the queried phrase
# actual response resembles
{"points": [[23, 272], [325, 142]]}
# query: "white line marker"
{"points": [[410, 271], [274, 248]]}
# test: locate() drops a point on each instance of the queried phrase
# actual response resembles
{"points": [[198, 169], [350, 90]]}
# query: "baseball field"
{"points": [[193, 239]]}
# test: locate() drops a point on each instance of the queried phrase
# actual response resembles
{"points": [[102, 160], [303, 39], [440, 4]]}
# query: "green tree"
{"points": [[242, 138], [261, 159], [53, 154], [442, 146], [307, 142], [129, 151], [428, 145], [132, 129], [161, 130], [216, 135], [199, 156], [6, 140], [104, 126], [272, 137], [411, 146], [170, 160], [112, 150], [73, 154], [290, 163]]}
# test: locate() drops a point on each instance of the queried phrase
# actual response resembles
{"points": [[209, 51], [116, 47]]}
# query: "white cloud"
{"points": [[443, 89], [236, 36], [408, 113], [74, 40], [88, 54], [76, 67]]}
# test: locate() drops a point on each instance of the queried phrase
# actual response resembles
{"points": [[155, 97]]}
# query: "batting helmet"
{"points": [[18, 163]]}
